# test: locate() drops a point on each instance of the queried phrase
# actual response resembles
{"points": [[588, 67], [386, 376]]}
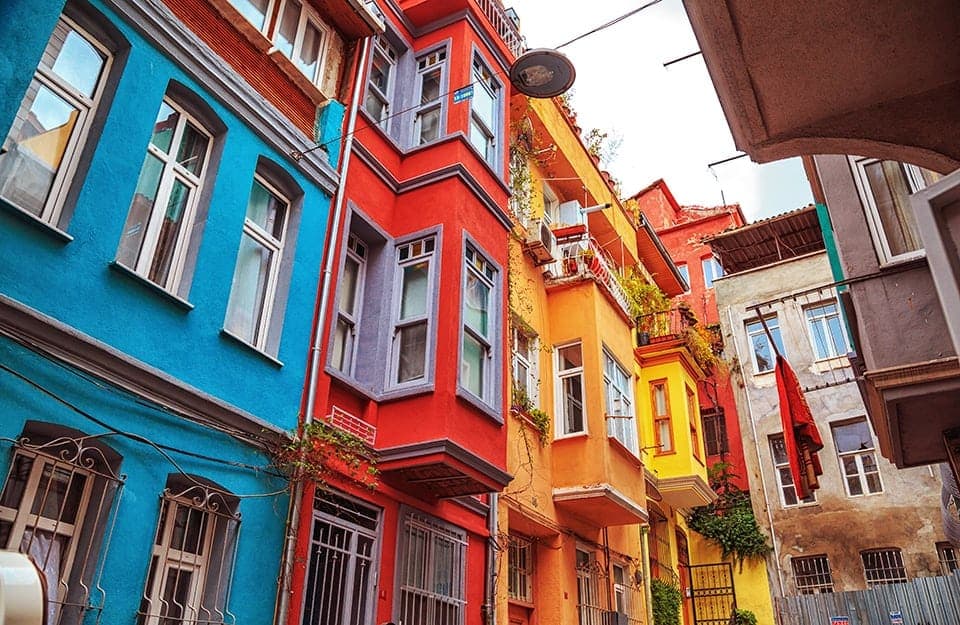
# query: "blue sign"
{"points": [[463, 93], [896, 617], [839, 620]]}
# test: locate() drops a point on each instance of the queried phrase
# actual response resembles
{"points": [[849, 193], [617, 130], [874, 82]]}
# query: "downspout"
{"points": [[296, 503], [647, 577], [490, 579], [756, 444]]}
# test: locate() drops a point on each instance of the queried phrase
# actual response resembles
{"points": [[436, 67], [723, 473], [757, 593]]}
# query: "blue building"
{"points": [[160, 255]]}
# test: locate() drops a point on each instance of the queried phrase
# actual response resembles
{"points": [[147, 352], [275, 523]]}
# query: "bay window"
{"points": [[302, 37], [621, 420], [484, 112], [414, 303], [480, 314]]}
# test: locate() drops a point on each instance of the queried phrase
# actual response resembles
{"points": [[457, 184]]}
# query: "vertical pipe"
{"points": [[647, 578], [490, 579]]}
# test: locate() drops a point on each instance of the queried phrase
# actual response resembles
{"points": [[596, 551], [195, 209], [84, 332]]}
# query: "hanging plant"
{"points": [[320, 452], [523, 407], [666, 602]]}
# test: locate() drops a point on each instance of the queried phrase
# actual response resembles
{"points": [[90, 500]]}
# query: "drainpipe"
{"points": [[756, 445], [490, 580], [296, 503], [647, 577]]}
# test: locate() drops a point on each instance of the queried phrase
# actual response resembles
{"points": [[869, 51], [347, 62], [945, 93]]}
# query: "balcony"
{"points": [[662, 327], [584, 260], [504, 22]]}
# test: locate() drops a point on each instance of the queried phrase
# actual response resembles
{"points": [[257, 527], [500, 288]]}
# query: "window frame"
{"points": [[520, 571], [489, 274], [383, 48], [432, 529], [531, 363], [428, 317], [857, 455], [560, 403], [660, 419], [948, 556], [307, 15], [693, 413], [816, 576], [622, 420], [484, 78], [717, 420], [551, 204], [759, 332], [684, 270], [716, 270], [350, 319], [589, 599], [268, 13], [881, 244], [782, 487], [823, 321], [89, 108], [883, 574], [419, 106]]}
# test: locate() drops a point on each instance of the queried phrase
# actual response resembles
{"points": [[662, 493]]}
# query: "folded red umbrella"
{"points": [[800, 434]]}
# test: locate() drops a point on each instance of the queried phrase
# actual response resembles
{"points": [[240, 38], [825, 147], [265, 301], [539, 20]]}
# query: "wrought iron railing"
{"points": [[504, 25], [664, 326], [587, 260]]}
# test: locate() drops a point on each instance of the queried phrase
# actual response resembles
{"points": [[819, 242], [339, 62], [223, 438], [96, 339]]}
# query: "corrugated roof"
{"points": [[768, 241]]}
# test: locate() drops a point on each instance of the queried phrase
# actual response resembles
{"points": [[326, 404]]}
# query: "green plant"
{"points": [[644, 297], [319, 452], [541, 423], [729, 521], [744, 617], [700, 341], [520, 402], [666, 602]]}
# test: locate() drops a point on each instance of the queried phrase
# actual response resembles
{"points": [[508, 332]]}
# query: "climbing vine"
{"points": [[729, 522], [666, 602], [319, 452]]}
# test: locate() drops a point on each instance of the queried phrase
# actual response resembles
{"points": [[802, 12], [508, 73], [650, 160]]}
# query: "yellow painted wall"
{"points": [[750, 581]]}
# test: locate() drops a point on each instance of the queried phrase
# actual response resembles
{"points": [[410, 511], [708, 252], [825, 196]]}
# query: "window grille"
{"points": [[947, 554], [883, 566], [812, 575], [431, 573], [520, 558], [627, 594], [590, 608]]}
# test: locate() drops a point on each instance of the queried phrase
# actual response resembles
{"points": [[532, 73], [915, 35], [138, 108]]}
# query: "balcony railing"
{"points": [[664, 326], [586, 260], [504, 25]]}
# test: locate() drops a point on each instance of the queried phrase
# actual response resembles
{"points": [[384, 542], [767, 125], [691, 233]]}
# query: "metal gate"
{"points": [[711, 593]]}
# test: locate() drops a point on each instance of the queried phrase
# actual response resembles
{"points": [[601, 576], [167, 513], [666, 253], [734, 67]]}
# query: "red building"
{"points": [[413, 348], [682, 230]]}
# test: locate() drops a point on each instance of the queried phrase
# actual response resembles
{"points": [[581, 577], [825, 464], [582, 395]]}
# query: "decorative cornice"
{"points": [[158, 25], [914, 373]]}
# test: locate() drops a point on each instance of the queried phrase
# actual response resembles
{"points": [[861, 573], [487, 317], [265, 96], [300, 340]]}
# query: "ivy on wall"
{"points": [[666, 602]]}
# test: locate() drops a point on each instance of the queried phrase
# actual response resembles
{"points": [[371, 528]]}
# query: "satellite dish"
{"points": [[542, 73]]}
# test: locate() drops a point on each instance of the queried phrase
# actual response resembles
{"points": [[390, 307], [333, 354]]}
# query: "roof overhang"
{"points": [[871, 77], [686, 491], [439, 469], [601, 504]]}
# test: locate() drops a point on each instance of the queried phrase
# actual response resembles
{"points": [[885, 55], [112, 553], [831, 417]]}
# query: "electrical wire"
{"points": [[612, 22]]}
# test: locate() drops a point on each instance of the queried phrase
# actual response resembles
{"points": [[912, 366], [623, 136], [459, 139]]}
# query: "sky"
{"points": [[669, 120]]}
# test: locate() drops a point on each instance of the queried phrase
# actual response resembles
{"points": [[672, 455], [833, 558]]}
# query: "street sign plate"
{"points": [[463, 93]]}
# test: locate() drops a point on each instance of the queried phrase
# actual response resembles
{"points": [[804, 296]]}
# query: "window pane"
{"points": [[471, 367], [249, 289], [309, 58], [253, 10], [660, 400], [375, 106], [169, 232], [413, 350], [164, 127], [891, 190], [570, 357], [348, 285], [573, 404], [430, 87], [35, 149], [140, 209], [266, 210], [664, 435], [476, 303], [343, 346], [380, 72], [483, 103], [429, 124], [16, 484], [58, 494], [193, 149], [287, 32], [78, 62], [852, 437], [480, 139], [413, 297]]}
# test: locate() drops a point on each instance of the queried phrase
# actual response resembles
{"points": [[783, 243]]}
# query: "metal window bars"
{"points": [[812, 575], [520, 562], [58, 505], [431, 573], [883, 566]]}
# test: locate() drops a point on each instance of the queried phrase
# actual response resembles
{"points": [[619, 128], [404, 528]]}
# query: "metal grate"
{"points": [[343, 420], [431, 573], [883, 566], [947, 554], [590, 608], [520, 558], [812, 575]]}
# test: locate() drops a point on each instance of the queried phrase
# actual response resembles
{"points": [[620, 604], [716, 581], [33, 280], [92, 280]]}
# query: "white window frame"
{"points": [[435, 60], [276, 246], [858, 457], [891, 569], [882, 246], [530, 361], [773, 324], [684, 270], [822, 320], [52, 209], [589, 599], [478, 266], [358, 252], [620, 407], [307, 15], [551, 205], [420, 589], [520, 568], [812, 575], [262, 27], [483, 79], [559, 377], [388, 54], [782, 487], [173, 172], [711, 270], [432, 258]]}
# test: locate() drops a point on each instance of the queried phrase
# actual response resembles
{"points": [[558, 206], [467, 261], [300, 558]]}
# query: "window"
{"points": [[661, 564], [885, 188], [55, 506], [883, 566], [812, 574], [947, 554], [693, 414], [520, 568], [711, 271], [156, 236], [427, 118], [301, 37], [350, 300], [256, 11], [380, 82], [340, 570], [484, 111], [761, 352], [430, 572], [857, 458], [662, 428], [255, 278], [414, 297], [480, 323], [41, 152], [551, 205], [627, 594], [618, 387], [191, 563], [570, 385], [781, 464], [589, 600], [525, 370], [685, 272], [714, 431], [827, 334]]}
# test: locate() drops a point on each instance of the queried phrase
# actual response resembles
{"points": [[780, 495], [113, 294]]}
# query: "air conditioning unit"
{"points": [[541, 244], [570, 213]]}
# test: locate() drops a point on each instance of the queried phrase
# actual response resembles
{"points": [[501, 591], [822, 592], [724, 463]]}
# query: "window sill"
{"points": [[297, 77], [572, 436], [523, 603], [409, 391], [479, 404], [156, 288], [797, 506], [826, 364], [36, 222], [351, 383], [256, 350], [903, 263], [658, 454]]}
